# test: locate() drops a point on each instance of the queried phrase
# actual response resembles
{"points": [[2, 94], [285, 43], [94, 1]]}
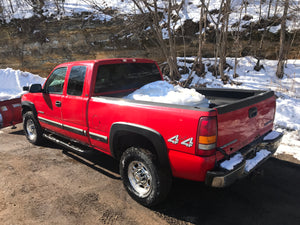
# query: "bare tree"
{"points": [[59, 5], [37, 5], [281, 57], [221, 36], [168, 50], [237, 42], [260, 4], [218, 34], [245, 3], [269, 9], [276, 7], [200, 47], [223, 40], [198, 64]]}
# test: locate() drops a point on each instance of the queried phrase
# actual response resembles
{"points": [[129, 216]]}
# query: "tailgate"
{"points": [[242, 122]]}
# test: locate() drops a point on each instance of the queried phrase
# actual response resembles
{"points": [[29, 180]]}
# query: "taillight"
{"points": [[206, 136]]}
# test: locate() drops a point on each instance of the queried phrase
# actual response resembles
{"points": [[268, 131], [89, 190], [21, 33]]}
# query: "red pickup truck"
{"points": [[81, 106]]}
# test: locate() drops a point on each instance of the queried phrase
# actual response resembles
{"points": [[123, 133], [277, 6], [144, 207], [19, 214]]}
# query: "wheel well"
{"points": [[25, 109], [28, 106], [124, 139]]}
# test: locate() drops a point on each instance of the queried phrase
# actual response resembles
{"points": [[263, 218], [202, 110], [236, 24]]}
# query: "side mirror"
{"points": [[26, 88], [35, 88]]}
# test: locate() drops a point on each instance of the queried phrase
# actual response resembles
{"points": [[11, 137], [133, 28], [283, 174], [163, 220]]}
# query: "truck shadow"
{"points": [[17, 132], [272, 197], [268, 196], [93, 159]]}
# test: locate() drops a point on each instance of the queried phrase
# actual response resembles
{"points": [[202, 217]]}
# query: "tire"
{"points": [[32, 128], [142, 178]]}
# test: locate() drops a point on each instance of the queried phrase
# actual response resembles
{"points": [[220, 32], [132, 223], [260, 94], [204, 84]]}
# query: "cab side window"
{"points": [[76, 80], [56, 80]]}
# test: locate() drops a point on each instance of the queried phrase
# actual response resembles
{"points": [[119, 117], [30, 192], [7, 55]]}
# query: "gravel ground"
{"points": [[49, 185]]}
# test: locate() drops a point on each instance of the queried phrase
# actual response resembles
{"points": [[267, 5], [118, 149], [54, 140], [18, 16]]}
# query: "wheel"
{"points": [[142, 178], [32, 128]]}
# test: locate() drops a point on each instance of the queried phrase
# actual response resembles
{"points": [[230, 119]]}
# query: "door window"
{"points": [[76, 80], [55, 82]]}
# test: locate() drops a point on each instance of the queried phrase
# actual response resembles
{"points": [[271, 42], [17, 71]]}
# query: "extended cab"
{"points": [[81, 106]]}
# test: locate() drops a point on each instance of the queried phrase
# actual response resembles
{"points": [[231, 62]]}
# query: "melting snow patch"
{"points": [[163, 92], [251, 163], [231, 163], [271, 136]]}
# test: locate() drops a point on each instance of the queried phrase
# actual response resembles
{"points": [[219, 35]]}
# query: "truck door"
{"points": [[48, 103], [74, 105]]}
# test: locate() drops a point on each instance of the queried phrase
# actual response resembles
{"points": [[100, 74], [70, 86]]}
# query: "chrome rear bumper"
{"points": [[244, 161]]}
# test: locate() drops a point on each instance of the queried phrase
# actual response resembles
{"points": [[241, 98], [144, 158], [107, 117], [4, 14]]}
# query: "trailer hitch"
{"points": [[226, 156]]}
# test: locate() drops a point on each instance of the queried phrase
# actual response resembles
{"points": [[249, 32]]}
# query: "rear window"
{"points": [[118, 77]]}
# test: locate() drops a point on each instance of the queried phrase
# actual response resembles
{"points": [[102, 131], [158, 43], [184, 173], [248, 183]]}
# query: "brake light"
{"points": [[206, 136]]}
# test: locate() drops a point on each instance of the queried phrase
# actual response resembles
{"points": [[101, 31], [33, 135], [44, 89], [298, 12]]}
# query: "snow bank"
{"points": [[12, 82], [290, 143], [163, 92]]}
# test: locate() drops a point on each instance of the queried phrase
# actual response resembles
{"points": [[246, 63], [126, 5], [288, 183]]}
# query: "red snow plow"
{"points": [[10, 112]]}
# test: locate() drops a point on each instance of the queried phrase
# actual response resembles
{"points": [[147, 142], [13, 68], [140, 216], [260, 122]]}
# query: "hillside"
{"points": [[37, 36]]}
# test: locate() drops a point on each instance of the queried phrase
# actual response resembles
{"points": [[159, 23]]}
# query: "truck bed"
{"points": [[223, 99], [226, 100], [243, 115]]}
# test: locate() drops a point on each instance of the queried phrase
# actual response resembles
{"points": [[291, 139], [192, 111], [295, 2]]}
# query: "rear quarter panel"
{"points": [[170, 122]]}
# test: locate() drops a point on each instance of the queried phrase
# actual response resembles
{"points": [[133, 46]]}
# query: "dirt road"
{"points": [[48, 185]]}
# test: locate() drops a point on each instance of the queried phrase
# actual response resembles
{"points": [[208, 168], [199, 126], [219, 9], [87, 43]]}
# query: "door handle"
{"points": [[58, 103]]}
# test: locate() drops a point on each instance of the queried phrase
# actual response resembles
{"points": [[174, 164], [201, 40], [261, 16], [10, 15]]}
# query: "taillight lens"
{"points": [[207, 136]]}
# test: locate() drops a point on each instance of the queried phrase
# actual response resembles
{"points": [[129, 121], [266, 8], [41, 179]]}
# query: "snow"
{"points": [[12, 82], [272, 135], [251, 163], [21, 9], [164, 92], [290, 144], [232, 162]]}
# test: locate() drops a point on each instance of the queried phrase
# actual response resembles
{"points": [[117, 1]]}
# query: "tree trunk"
{"points": [[269, 9], [223, 45], [276, 6], [168, 51], [237, 43], [172, 59], [260, 3], [199, 56], [281, 57], [218, 38]]}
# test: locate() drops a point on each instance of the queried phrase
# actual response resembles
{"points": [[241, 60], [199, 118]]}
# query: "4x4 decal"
{"points": [[174, 139], [187, 142]]}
